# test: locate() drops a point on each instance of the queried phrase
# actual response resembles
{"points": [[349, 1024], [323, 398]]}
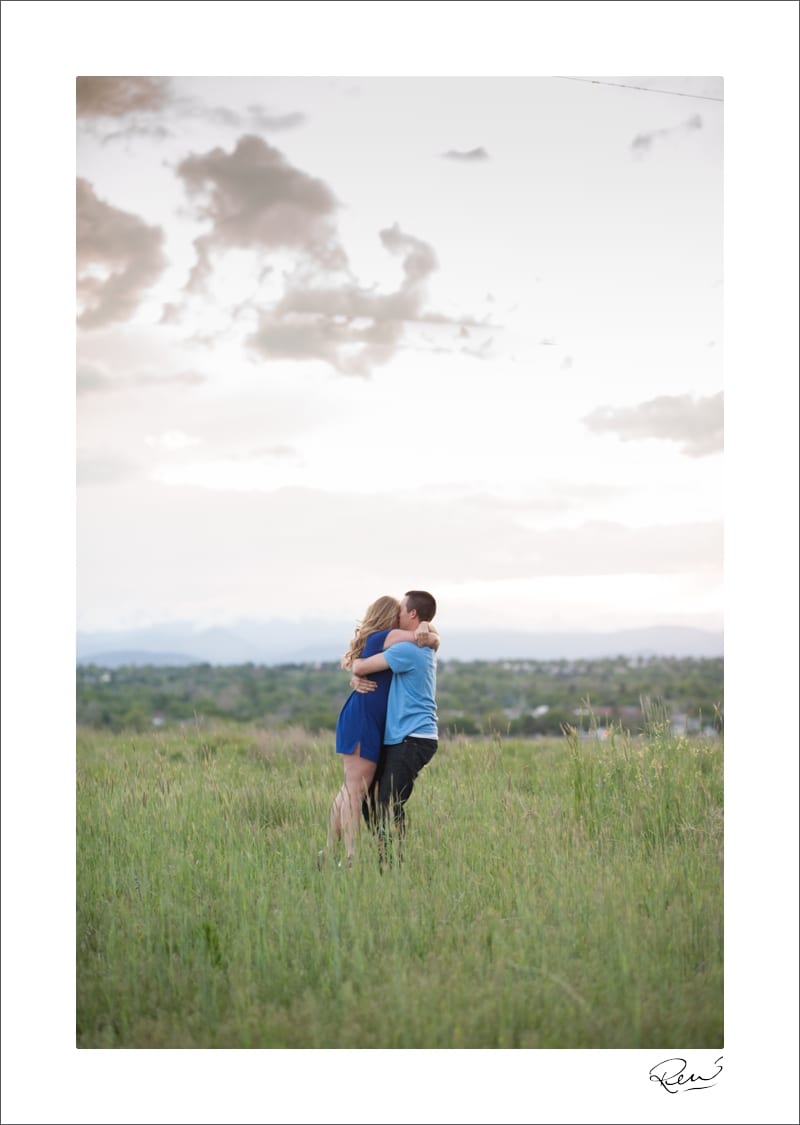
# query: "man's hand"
{"points": [[362, 684]]}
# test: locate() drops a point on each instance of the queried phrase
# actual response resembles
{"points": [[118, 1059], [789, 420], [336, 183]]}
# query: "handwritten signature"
{"points": [[672, 1077]]}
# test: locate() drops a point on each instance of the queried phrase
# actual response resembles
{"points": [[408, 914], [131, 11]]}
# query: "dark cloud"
{"points": [[696, 423], [472, 155], [255, 199], [117, 97], [642, 141], [351, 328], [127, 253]]}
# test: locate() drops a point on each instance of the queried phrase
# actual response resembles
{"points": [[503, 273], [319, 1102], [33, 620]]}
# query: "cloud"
{"points": [[171, 440], [171, 313], [547, 499], [105, 469], [642, 141], [419, 259], [255, 199], [117, 97], [91, 379], [697, 423], [254, 117], [483, 351], [121, 99], [131, 132], [279, 452], [472, 155], [291, 526], [272, 122], [351, 328], [118, 258]]}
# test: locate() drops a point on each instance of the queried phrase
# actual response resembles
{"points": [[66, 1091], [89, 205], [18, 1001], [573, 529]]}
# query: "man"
{"points": [[411, 735]]}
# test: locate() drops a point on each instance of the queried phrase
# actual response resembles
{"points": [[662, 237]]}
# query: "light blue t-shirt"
{"points": [[412, 694]]}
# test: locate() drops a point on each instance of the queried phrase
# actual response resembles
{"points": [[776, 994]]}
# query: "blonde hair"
{"points": [[382, 614]]}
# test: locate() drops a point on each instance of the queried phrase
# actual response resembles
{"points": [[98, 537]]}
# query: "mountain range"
{"points": [[300, 642]]}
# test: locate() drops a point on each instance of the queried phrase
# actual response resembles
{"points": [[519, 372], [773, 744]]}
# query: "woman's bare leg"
{"points": [[344, 818], [335, 818], [358, 775]]}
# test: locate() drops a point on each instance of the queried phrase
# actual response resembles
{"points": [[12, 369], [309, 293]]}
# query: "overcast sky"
{"points": [[339, 337]]}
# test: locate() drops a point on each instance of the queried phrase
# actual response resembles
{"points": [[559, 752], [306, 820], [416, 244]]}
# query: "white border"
{"points": [[44, 46]]}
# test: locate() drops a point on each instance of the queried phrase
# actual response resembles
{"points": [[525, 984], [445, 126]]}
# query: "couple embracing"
{"points": [[387, 729]]}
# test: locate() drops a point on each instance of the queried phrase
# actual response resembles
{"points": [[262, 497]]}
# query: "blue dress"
{"points": [[363, 716]]}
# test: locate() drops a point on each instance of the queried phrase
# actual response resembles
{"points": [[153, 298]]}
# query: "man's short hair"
{"points": [[423, 602]]}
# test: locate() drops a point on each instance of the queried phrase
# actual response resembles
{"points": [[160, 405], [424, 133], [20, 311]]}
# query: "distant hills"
{"points": [[293, 642]]}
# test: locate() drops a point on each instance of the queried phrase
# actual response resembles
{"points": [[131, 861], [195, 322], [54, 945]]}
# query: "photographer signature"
{"points": [[671, 1075]]}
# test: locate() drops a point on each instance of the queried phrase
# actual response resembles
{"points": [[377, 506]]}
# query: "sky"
{"points": [[151, 383], [339, 337]]}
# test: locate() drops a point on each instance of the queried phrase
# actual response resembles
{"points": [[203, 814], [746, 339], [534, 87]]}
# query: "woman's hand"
{"points": [[426, 635], [362, 684]]}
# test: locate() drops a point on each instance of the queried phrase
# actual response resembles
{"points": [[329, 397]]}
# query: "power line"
{"points": [[646, 89]]}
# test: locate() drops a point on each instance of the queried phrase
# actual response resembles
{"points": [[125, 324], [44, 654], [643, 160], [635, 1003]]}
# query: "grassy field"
{"points": [[554, 894]]}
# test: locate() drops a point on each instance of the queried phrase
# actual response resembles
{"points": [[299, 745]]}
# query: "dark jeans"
{"points": [[398, 768]]}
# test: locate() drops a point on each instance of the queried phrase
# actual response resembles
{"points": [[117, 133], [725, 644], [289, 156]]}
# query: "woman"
{"points": [[359, 729]]}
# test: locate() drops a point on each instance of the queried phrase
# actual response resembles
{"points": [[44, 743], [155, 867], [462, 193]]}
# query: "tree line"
{"points": [[520, 697]]}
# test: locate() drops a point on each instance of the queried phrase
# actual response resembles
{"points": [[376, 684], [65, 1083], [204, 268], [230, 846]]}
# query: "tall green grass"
{"points": [[561, 894]]}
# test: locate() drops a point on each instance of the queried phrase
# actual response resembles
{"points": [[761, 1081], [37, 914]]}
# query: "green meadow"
{"points": [[561, 893]]}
